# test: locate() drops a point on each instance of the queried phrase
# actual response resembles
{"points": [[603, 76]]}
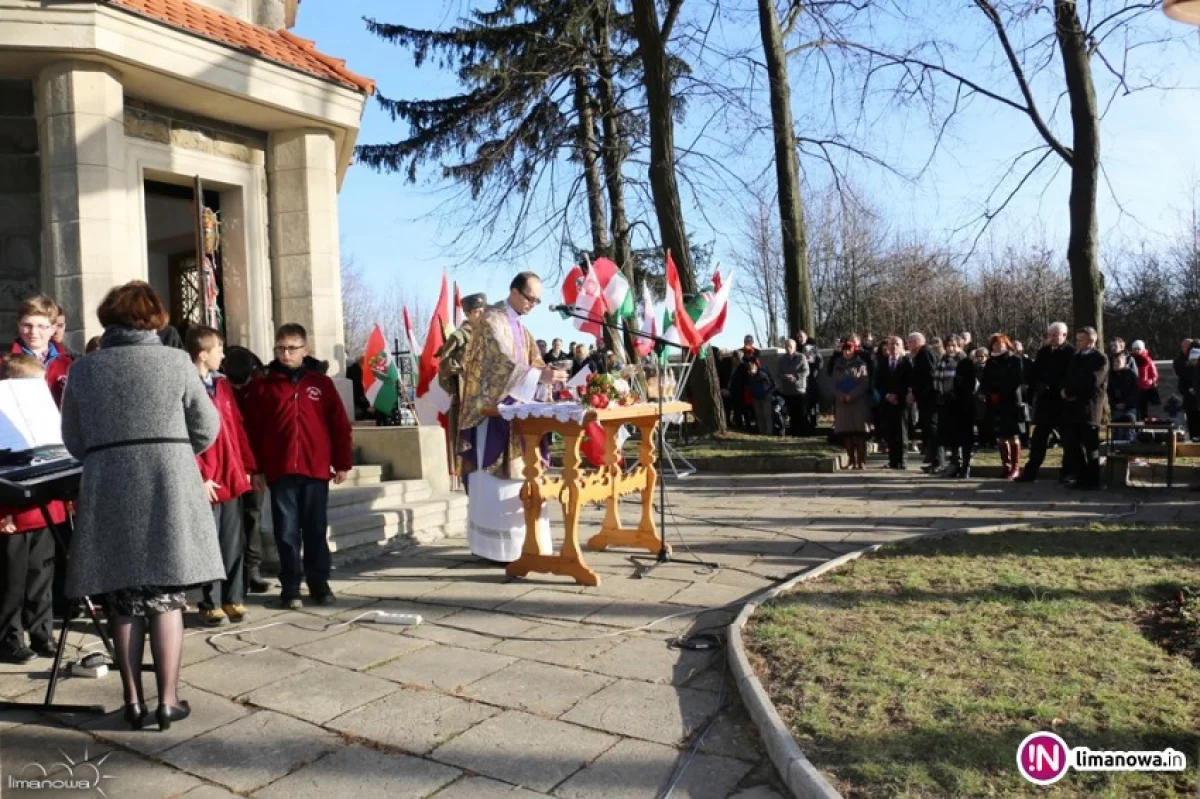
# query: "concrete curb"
{"points": [[802, 778]]}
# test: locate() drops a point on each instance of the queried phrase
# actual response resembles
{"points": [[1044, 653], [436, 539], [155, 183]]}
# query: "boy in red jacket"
{"points": [[226, 468], [36, 320], [301, 439], [26, 560]]}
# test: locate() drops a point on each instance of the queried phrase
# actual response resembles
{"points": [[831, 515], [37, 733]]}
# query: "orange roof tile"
{"points": [[282, 47]]}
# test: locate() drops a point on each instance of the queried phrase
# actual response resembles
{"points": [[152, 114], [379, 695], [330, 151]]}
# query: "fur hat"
{"points": [[473, 302]]}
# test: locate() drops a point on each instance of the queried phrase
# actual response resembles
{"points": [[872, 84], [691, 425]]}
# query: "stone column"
{"points": [[305, 258], [80, 112]]}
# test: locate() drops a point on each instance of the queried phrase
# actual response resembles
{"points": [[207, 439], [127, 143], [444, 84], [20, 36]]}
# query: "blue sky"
{"points": [[1149, 152]]}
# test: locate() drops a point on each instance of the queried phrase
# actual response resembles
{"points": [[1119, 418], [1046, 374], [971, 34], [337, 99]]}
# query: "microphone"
{"points": [[562, 308]]}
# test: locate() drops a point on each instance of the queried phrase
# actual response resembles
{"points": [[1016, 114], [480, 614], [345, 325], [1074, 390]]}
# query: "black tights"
{"points": [[166, 646]]}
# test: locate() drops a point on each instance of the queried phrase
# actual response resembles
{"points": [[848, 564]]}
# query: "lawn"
{"points": [[916, 672], [744, 445]]}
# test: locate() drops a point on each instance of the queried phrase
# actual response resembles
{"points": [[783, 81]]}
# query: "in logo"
{"points": [[314, 393], [1042, 758]]}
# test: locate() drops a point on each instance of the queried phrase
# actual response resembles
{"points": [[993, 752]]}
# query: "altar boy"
{"points": [[26, 559]]}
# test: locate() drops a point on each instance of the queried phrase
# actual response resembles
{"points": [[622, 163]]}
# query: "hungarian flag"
{"points": [[715, 309], [584, 293], [647, 324], [380, 379], [618, 294], [677, 323], [432, 400], [459, 316]]}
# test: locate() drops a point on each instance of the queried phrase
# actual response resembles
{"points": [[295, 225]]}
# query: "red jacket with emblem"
{"points": [[230, 460], [297, 423], [56, 370]]}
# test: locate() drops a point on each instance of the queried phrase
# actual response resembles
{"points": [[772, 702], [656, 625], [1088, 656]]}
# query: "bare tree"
{"points": [[761, 271], [1086, 39], [365, 305]]}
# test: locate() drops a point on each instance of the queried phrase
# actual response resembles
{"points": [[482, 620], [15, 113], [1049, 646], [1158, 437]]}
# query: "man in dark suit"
{"points": [[1047, 378], [893, 381], [1086, 391], [924, 395]]}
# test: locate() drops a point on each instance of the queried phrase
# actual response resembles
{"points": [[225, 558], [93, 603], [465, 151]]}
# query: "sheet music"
{"points": [[29, 418]]}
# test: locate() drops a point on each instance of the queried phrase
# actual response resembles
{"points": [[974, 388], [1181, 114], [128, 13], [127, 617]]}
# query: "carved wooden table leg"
{"points": [[645, 535], [569, 562]]}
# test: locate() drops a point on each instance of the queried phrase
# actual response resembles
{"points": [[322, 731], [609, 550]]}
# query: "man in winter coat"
{"points": [[1086, 391], [893, 381], [793, 387], [226, 468], [1046, 381], [301, 440], [923, 393]]}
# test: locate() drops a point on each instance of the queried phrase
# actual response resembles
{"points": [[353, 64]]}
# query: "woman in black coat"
{"points": [[955, 392], [1000, 386]]}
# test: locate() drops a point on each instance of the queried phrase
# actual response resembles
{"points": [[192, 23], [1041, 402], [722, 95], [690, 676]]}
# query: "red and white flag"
{"points": [[584, 293], [432, 400]]}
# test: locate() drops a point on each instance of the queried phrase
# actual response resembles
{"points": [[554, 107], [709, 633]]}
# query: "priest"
{"points": [[502, 365]]}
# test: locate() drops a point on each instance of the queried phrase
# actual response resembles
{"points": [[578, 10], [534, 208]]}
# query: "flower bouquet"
{"points": [[603, 390]]}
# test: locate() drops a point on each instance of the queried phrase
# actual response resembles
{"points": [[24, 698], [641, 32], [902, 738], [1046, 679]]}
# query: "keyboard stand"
{"points": [[47, 705]]}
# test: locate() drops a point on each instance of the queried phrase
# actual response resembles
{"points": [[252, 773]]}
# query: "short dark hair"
{"points": [[136, 305], [240, 364], [202, 339], [522, 280], [290, 330], [92, 345]]}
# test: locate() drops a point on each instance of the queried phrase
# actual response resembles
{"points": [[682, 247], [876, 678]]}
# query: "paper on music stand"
{"points": [[29, 418]]}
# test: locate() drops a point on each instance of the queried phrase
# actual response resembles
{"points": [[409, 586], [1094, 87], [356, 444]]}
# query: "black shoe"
{"points": [[19, 655], [1025, 477], [1085, 486], [135, 716], [324, 599], [255, 584], [44, 649], [169, 713], [964, 473], [288, 602]]}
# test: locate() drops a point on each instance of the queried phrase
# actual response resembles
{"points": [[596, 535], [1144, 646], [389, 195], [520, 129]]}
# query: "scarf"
{"points": [[121, 336], [943, 377]]}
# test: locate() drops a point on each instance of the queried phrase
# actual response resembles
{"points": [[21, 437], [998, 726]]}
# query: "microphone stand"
{"points": [[660, 346]]}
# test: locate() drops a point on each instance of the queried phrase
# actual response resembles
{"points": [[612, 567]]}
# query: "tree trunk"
{"points": [[797, 288], [1087, 284], [657, 79], [586, 143], [612, 146]]}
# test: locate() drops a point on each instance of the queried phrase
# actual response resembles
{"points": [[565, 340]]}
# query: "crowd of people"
{"points": [[945, 398], [175, 458]]}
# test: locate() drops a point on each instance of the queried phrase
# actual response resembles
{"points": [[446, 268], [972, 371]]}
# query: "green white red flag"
{"points": [[677, 323], [715, 311], [380, 379]]}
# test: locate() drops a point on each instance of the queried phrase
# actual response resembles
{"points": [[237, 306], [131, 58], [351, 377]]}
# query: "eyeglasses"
{"points": [[29, 328], [531, 300], [282, 348]]}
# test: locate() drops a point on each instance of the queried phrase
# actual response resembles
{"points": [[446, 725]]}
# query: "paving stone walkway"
{"points": [[530, 688]]}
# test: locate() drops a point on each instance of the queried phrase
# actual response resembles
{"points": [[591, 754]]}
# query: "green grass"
{"points": [[917, 671], [743, 445]]}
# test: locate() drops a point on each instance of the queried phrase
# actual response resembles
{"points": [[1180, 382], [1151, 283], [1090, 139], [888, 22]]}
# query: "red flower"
{"points": [[595, 400], [601, 401], [582, 391]]}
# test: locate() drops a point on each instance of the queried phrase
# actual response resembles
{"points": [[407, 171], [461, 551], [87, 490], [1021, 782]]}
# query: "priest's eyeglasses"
{"points": [[531, 300]]}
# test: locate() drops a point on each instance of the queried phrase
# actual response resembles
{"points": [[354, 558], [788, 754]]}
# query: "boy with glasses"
{"points": [[301, 440], [36, 320]]}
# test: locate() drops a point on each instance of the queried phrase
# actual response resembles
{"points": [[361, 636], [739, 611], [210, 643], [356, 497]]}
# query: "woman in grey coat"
{"points": [[136, 414]]}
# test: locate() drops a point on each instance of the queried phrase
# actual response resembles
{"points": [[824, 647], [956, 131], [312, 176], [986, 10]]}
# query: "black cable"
{"points": [[698, 740]]}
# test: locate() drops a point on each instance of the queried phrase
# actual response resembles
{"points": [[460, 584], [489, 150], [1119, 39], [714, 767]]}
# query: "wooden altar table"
{"points": [[579, 485]]}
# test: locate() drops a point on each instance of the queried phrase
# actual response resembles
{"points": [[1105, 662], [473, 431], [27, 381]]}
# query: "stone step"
{"points": [[377, 496], [423, 522], [364, 474]]}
